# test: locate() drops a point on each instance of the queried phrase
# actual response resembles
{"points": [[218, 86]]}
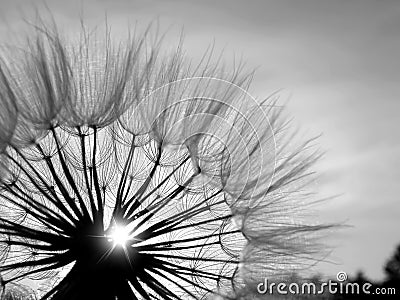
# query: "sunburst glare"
{"points": [[120, 235]]}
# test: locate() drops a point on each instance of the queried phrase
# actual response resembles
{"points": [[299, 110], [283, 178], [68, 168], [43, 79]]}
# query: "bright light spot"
{"points": [[120, 235]]}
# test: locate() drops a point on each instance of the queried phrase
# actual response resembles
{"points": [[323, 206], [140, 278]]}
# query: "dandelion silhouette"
{"points": [[131, 174]]}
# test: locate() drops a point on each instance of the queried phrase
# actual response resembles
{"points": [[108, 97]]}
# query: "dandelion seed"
{"points": [[127, 174]]}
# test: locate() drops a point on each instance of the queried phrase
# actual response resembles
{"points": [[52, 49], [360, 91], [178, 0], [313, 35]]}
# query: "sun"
{"points": [[120, 235]]}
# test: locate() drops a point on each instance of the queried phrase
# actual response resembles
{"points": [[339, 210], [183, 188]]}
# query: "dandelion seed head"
{"points": [[127, 173]]}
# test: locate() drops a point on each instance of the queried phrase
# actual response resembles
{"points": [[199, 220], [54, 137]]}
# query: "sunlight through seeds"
{"points": [[120, 236]]}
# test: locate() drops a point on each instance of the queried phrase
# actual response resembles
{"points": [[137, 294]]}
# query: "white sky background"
{"points": [[340, 63]]}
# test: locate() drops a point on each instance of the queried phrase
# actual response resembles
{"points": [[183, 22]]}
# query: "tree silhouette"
{"points": [[392, 271], [126, 173], [392, 267]]}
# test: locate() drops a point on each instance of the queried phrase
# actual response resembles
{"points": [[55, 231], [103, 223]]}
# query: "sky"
{"points": [[337, 63]]}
